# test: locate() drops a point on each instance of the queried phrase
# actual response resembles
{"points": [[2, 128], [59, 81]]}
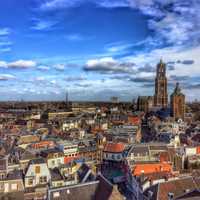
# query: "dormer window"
{"points": [[37, 169]]}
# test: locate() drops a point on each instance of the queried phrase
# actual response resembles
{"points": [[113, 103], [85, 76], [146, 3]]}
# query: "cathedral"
{"points": [[160, 98], [177, 103]]}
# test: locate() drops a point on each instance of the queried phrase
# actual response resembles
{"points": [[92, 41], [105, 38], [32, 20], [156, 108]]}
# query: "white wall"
{"points": [[44, 171]]}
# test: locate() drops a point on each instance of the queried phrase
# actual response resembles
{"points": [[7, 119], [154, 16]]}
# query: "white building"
{"points": [[37, 173], [53, 157], [68, 148]]}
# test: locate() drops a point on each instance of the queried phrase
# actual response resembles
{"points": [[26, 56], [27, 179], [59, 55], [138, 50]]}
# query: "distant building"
{"points": [[114, 151], [178, 103], [144, 103], [161, 96], [114, 99]]}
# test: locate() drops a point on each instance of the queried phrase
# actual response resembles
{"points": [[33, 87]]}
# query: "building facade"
{"points": [[161, 95], [145, 103], [178, 103]]}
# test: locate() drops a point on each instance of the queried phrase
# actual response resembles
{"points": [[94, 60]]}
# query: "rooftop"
{"points": [[114, 147]]}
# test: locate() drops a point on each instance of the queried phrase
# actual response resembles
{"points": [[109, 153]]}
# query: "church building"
{"points": [[161, 95], [177, 103]]}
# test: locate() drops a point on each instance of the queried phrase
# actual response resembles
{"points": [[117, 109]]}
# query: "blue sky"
{"points": [[95, 49]]}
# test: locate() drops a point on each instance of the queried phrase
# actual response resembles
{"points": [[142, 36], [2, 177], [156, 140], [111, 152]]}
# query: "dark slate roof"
{"points": [[83, 172], [177, 187], [16, 174], [37, 161], [101, 189], [55, 174], [191, 195], [84, 191], [142, 150], [27, 155], [104, 189], [49, 152]]}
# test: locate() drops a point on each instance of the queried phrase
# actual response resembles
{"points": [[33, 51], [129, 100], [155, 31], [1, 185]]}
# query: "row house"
{"points": [[71, 123], [26, 140], [12, 182], [53, 157], [70, 150], [37, 173]]}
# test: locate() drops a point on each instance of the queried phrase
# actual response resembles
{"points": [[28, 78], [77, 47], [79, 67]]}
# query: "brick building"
{"points": [[178, 103]]}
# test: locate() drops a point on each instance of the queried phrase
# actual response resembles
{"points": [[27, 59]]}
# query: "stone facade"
{"points": [[178, 104], [161, 96], [145, 103]]}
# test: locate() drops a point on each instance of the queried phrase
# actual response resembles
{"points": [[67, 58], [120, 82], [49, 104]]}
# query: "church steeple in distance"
{"points": [[178, 103], [161, 95]]}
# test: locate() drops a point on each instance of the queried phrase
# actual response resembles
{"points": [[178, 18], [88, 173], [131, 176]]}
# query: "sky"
{"points": [[96, 49]]}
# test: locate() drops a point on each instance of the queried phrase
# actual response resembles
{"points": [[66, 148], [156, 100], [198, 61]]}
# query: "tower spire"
{"points": [[161, 96], [161, 60]]}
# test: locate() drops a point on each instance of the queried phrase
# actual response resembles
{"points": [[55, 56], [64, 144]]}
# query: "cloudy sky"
{"points": [[95, 49]]}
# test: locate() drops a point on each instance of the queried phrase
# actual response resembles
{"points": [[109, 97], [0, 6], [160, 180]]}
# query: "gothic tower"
{"points": [[178, 103], [161, 96]]}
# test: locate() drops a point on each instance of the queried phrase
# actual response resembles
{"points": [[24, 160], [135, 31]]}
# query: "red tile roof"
{"points": [[151, 168], [114, 147]]}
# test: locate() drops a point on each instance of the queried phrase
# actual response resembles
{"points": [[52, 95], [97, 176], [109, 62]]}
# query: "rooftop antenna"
{"points": [[161, 59]]}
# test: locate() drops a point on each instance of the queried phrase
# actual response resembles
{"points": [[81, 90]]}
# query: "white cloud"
{"points": [[74, 37], [40, 24], [74, 78], [59, 67], [169, 54], [6, 49], [5, 31], [109, 65], [118, 47], [43, 67], [5, 43], [6, 77], [53, 82], [3, 64], [58, 4], [40, 78], [22, 64], [112, 4]]}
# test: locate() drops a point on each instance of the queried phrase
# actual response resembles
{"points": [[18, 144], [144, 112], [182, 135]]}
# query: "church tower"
{"points": [[178, 103], [161, 96]]}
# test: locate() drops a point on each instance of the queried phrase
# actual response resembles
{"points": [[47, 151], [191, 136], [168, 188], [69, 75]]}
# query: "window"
{"points": [[59, 184], [37, 169], [30, 181], [43, 179], [14, 186], [1, 186], [53, 162], [56, 194]]}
